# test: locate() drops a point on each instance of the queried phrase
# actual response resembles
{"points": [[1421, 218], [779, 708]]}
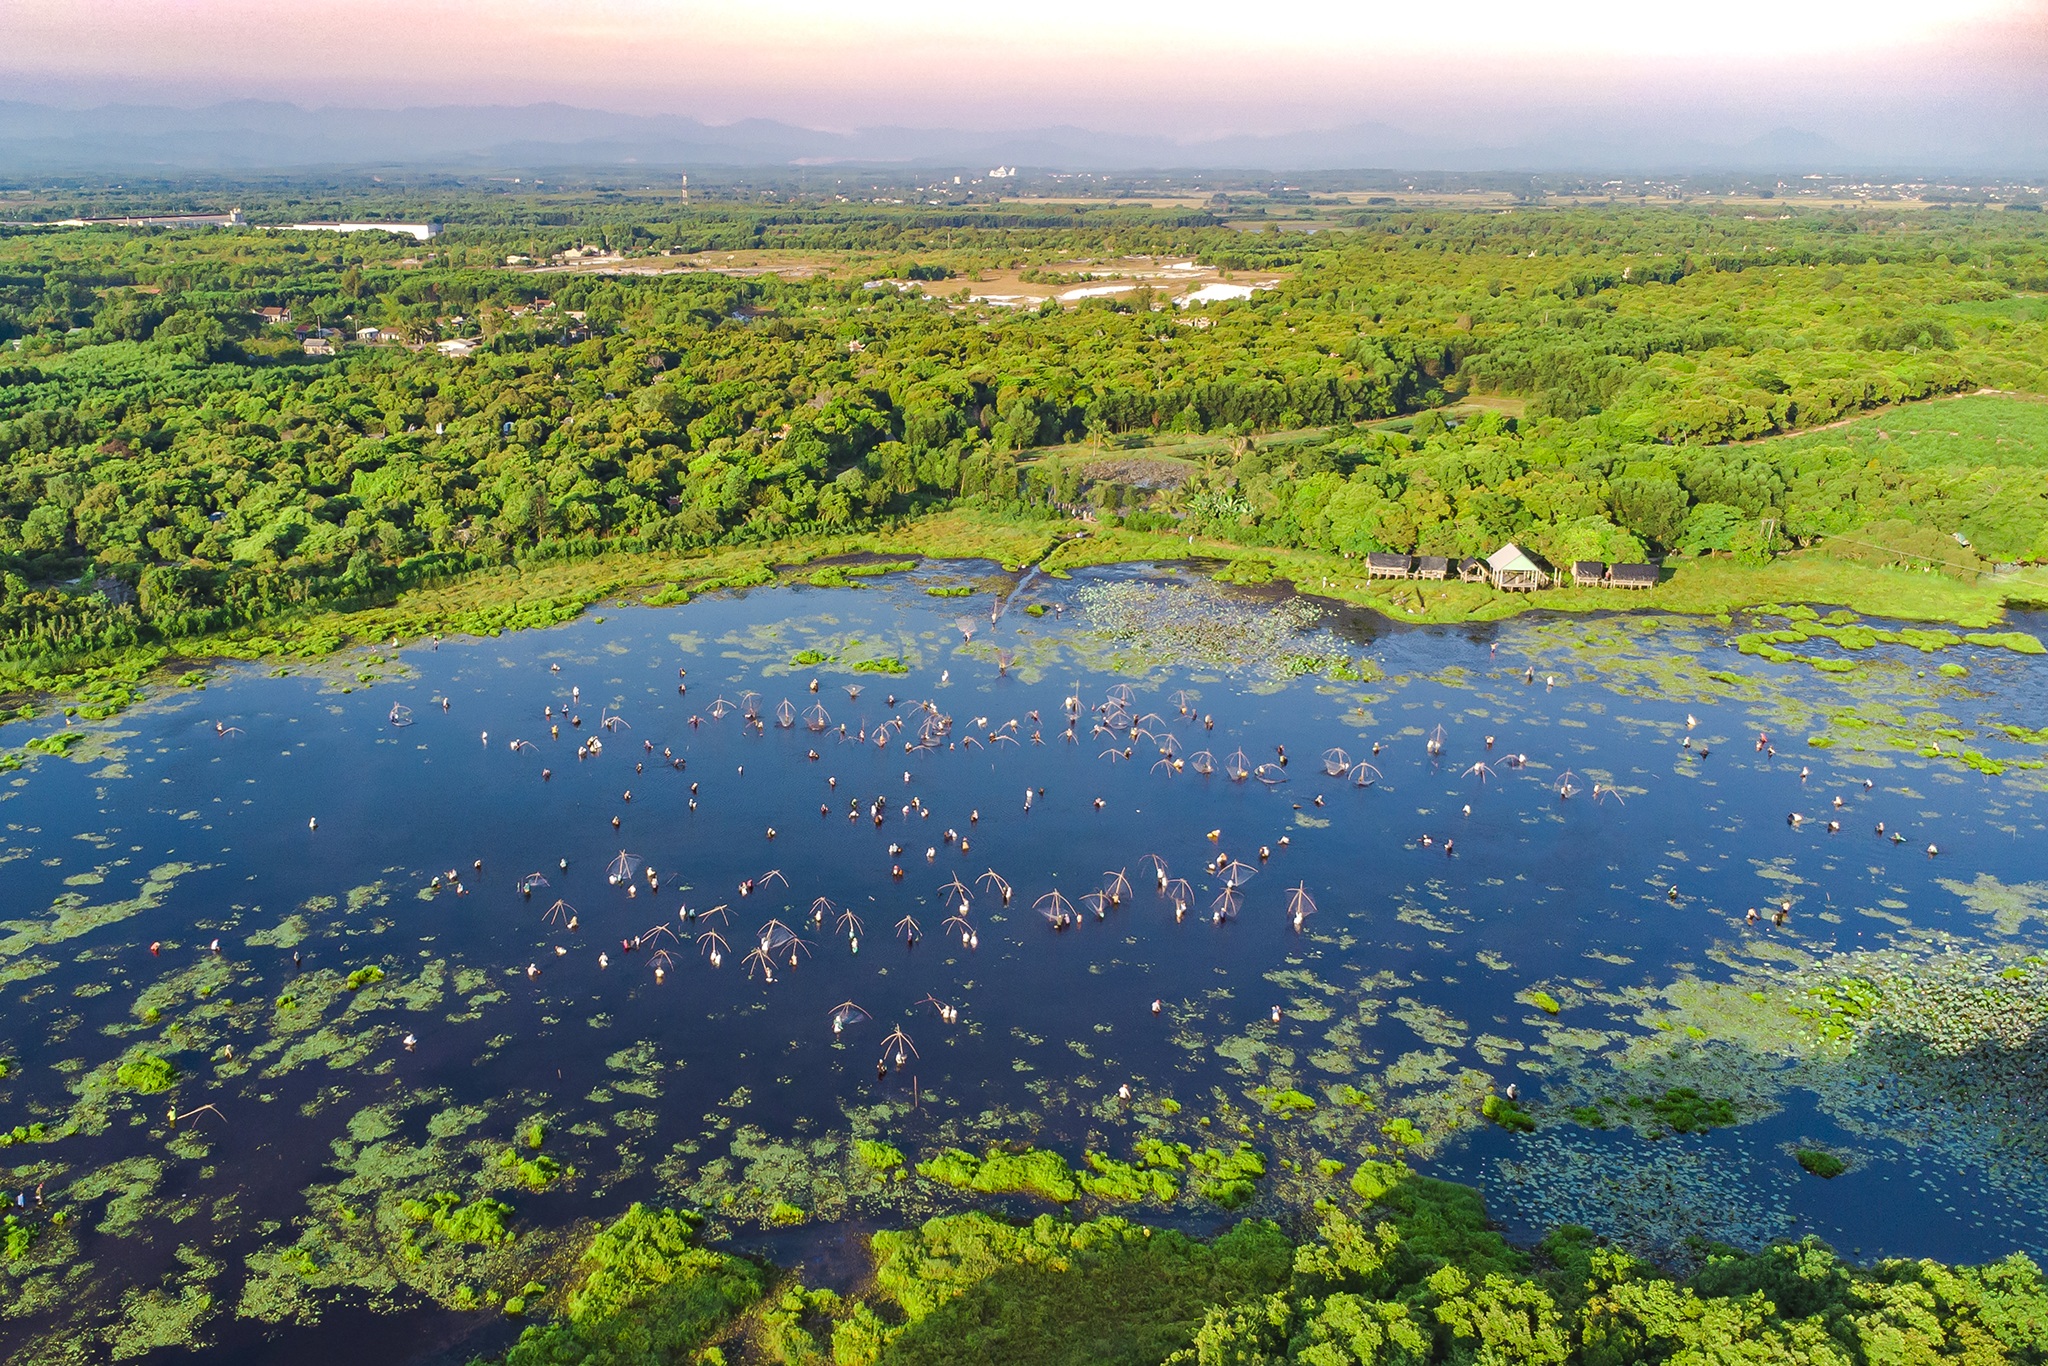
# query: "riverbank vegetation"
{"points": [[184, 478]]}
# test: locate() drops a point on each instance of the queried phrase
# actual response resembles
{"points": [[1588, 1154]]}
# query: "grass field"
{"points": [[1971, 429]]}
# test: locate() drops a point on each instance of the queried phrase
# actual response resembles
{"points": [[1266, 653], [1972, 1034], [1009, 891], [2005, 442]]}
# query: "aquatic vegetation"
{"points": [[364, 976], [1195, 624], [535, 1173], [1109, 1179], [2020, 642], [17, 1236], [2009, 907], [1286, 1102], [1227, 1176], [146, 1074], [1658, 1205], [1403, 1131], [1683, 1110], [72, 916], [646, 1294], [1034, 1171], [972, 1288], [1301, 1110], [882, 665], [1820, 1162], [878, 1157], [481, 1221], [1508, 1114]]}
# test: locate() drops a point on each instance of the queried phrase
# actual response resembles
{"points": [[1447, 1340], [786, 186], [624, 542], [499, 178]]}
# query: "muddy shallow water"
{"points": [[1579, 932]]}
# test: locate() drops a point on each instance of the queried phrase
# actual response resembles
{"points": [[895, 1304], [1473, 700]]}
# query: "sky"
{"points": [[1874, 69]]}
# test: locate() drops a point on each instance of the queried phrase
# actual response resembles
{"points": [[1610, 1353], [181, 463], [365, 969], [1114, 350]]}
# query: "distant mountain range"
{"points": [[252, 136]]}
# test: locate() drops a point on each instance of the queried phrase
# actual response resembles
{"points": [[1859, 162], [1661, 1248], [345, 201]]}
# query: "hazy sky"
{"points": [[1192, 69]]}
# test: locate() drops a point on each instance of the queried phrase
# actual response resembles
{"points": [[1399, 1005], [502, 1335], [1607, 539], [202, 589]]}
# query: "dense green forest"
{"points": [[177, 464], [1410, 1277]]}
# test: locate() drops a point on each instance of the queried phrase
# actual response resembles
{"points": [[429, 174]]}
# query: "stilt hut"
{"points": [[1633, 576], [1473, 571], [1431, 567], [1515, 569], [1380, 565], [1589, 573]]}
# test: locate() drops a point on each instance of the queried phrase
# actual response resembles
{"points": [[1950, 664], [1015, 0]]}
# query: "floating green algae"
{"points": [[1031, 1172]]}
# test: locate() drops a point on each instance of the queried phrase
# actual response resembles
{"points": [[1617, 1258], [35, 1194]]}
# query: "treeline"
{"points": [[1412, 1276], [183, 456]]}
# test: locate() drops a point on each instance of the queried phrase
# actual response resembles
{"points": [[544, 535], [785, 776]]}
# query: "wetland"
{"points": [[346, 998]]}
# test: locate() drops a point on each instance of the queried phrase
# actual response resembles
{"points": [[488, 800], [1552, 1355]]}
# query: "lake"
{"points": [[290, 992]]}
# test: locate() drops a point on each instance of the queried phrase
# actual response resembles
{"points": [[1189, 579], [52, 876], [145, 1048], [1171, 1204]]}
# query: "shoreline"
{"points": [[489, 602]]}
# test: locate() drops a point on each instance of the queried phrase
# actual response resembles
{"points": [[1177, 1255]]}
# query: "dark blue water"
{"points": [[1419, 905]]}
